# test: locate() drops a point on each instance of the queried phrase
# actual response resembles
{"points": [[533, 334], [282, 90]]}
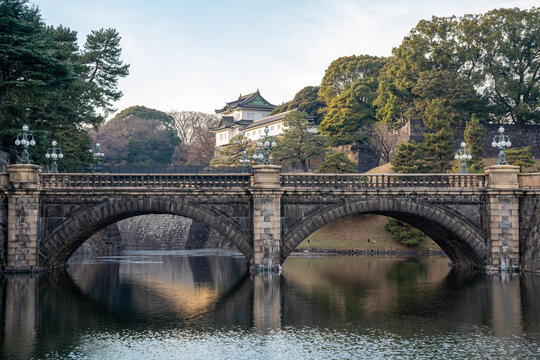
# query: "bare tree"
{"points": [[381, 139], [188, 124]]}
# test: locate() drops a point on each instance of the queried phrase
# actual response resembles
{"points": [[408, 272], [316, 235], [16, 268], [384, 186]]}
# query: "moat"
{"points": [[202, 304]]}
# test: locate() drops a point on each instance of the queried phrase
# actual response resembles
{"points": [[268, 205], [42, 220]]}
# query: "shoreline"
{"points": [[368, 252]]}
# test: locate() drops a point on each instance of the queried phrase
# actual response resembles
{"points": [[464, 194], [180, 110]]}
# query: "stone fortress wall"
{"points": [[153, 232]]}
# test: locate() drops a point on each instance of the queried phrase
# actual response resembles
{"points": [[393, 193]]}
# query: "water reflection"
{"points": [[176, 302]]}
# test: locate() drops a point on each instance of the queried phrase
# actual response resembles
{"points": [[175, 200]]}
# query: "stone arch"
{"points": [[461, 241], [56, 248]]}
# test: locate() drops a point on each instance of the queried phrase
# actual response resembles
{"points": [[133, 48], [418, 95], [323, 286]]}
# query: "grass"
{"points": [[353, 232]]}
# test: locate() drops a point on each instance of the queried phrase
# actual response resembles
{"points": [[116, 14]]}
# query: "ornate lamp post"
{"points": [[463, 155], [98, 156], [501, 141], [265, 145], [54, 153], [244, 160], [25, 139]]}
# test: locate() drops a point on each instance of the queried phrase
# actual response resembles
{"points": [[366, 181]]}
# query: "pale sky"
{"points": [[196, 55]]}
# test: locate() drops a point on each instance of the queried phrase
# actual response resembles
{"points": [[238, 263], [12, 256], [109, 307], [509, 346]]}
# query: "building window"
{"points": [[260, 131], [272, 127], [278, 126]]}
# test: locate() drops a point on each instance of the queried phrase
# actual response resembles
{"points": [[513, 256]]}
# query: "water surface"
{"points": [[203, 305]]}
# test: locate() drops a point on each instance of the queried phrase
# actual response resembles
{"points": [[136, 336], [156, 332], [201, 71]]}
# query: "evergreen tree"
{"points": [[306, 100], [521, 157], [46, 83], [230, 154], [300, 141], [474, 134], [348, 87], [404, 233], [408, 158], [103, 66], [437, 147], [337, 163]]}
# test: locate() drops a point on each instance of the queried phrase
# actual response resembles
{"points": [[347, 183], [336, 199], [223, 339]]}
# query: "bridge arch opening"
{"points": [[460, 241], [57, 246]]}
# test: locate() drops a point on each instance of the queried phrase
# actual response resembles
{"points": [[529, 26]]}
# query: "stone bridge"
{"points": [[481, 220]]}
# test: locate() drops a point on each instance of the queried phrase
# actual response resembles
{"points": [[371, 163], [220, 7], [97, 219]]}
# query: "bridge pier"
{"points": [[266, 194], [23, 212], [504, 218]]}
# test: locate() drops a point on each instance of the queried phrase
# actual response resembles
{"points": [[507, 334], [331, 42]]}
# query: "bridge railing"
{"points": [[149, 181], [355, 181]]}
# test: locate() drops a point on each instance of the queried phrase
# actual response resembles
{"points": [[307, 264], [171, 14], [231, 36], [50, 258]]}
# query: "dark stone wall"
{"points": [[3, 230], [367, 159], [153, 232], [107, 241], [529, 233]]}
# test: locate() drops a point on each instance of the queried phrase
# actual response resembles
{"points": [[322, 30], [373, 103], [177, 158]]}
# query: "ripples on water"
{"points": [[293, 343], [200, 305]]}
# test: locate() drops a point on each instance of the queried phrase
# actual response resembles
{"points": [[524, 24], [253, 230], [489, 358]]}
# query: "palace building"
{"points": [[248, 115]]}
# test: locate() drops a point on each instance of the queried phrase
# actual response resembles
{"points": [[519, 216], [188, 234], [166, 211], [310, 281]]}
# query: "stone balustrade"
{"points": [[147, 181], [355, 181]]}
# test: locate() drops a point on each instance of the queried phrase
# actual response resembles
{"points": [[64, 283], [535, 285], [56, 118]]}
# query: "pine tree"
{"points": [[300, 141], [473, 134], [337, 163], [230, 154], [408, 158], [438, 145], [404, 233], [521, 157]]}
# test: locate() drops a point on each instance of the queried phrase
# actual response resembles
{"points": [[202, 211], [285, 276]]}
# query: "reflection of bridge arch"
{"points": [[62, 241], [461, 241]]}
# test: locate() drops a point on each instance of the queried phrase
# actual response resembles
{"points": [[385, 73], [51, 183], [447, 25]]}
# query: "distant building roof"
{"points": [[250, 101]]}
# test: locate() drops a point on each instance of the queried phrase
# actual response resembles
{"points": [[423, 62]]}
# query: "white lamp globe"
{"points": [[54, 143], [47, 155], [17, 142], [501, 129], [267, 143], [60, 155], [25, 127], [463, 144], [469, 157], [23, 142], [503, 143], [508, 144], [456, 157], [273, 144], [494, 144], [254, 156], [260, 144], [54, 156], [97, 144], [261, 156], [32, 142]]}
